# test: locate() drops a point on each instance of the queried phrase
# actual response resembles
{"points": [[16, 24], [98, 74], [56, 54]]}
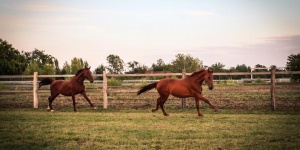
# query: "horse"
{"points": [[189, 86], [71, 87]]}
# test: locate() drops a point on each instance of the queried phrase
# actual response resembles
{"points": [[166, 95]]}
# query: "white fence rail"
{"points": [[33, 81]]}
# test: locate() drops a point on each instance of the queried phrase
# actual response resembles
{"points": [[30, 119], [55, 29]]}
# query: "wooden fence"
{"points": [[35, 78]]}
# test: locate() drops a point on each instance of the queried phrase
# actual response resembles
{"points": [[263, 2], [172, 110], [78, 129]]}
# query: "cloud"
{"points": [[290, 43]]}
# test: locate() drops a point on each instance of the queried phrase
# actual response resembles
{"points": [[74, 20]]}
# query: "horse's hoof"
{"points": [[166, 115], [48, 108], [200, 115], [154, 110], [52, 110], [95, 107]]}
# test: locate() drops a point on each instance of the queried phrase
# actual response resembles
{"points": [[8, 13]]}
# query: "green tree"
{"points": [[99, 70], [159, 66], [41, 58], [46, 64], [187, 62], [260, 68], [12, 62], [218, 67], [32, 67], [136, 67], [242, 68], [76, 64], [115, 64], [293, 64], [66, 68]]}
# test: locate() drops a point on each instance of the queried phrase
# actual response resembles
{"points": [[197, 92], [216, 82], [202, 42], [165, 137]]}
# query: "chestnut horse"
{"points": [[190, 86], [69, 88]]}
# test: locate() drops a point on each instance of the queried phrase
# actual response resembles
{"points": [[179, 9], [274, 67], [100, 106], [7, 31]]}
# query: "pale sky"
{"points": [[232, 32]]}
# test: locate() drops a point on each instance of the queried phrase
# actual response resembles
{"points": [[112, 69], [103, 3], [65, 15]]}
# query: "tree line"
{"points": [[14, 62]]}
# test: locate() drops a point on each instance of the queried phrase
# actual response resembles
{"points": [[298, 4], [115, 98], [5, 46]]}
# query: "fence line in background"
{"points": [[104, 87], [35, 88], [273, 103], [35, 77]]}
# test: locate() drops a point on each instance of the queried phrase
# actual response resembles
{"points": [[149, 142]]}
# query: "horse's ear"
{"points": [[89, 68], [210, 69]]}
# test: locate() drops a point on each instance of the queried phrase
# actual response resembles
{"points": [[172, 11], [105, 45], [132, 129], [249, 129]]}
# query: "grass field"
{"points": [[28, 128], [244, 122]]}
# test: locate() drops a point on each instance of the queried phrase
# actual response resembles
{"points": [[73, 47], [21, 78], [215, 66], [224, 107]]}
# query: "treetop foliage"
{"points": [[14, 62], [293, 64], [11, 60]]}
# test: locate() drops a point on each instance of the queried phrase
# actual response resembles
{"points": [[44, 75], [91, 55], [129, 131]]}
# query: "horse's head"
{"points": [[209, 78], [88, 74]]}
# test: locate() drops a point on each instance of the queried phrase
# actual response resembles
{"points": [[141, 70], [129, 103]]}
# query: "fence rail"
{"points": [[34, 81], [149, 75]]}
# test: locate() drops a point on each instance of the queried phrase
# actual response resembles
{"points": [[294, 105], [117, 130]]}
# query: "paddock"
{"points": [[28, 128], [245, 120], [119, 91]]}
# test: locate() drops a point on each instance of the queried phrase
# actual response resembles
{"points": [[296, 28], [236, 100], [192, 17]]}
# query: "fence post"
{"points": [[273, 104], [183, 100], [104, 90], [35, 97]]}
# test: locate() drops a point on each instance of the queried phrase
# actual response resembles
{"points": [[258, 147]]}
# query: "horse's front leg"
{"points": [[197, 106], [74, 103], [208, 102], [85, 96]]}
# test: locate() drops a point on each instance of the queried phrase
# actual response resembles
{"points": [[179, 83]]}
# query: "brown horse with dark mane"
{"points": [[69, 88], [190, 86]]}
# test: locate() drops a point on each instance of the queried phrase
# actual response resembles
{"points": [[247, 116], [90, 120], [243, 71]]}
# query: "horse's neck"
{"points": [[199, 77], [79, 78]]}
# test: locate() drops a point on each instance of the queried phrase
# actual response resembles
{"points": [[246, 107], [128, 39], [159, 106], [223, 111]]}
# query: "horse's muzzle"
{"points": [[92, 81], [211, 88]]}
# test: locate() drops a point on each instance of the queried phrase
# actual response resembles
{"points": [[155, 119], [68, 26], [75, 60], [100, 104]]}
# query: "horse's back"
{"points": [[175, 87], [58, 84]]}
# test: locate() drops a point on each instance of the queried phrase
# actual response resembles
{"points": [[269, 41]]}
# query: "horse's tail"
{"points": [[45, 81], [147, 88]]}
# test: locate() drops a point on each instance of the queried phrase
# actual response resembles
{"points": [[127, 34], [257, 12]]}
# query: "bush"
{"points": [[258, 81], [114, 82]]}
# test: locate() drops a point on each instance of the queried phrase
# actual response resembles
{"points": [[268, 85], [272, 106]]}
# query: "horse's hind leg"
{"points": [[160, 102], [51, 99], [157, 105]]}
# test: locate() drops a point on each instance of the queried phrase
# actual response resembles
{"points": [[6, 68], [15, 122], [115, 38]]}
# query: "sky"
{"points": [[232, 32]]}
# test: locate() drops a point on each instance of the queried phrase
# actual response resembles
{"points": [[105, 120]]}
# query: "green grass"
{"points": [[141, 129]]}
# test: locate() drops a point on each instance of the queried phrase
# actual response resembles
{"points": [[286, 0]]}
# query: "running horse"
{"points": [[190, 86], [69, 88]]}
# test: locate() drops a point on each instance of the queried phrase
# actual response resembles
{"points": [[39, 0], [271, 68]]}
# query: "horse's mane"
{"points": [[197, 72], [79, 71]]}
